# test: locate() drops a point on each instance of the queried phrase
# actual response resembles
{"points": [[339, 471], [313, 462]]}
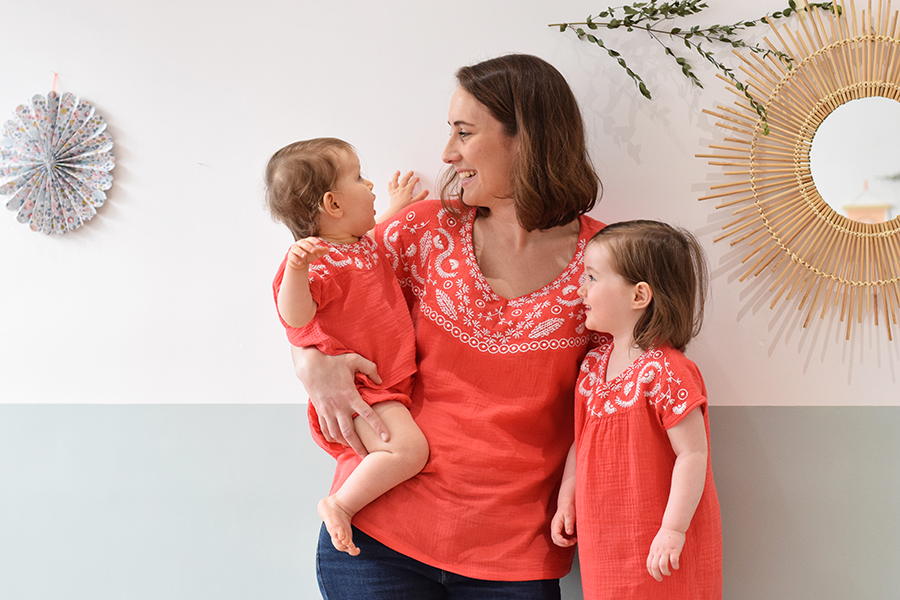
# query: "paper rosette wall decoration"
{"points": [[818, 258], [55, 162]]}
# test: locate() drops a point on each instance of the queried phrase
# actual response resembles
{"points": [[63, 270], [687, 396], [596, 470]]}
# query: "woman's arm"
{"points": [[329, 381], [691, 449], [562, 527]]}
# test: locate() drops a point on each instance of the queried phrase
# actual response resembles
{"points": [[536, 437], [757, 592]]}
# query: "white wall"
{"points": [[164, 297]]}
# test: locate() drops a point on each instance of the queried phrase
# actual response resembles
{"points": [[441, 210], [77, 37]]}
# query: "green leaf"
{"points": [[644, 91]]}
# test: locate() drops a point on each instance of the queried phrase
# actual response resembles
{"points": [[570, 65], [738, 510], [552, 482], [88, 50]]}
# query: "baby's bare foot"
{"points": [[337, 522]]}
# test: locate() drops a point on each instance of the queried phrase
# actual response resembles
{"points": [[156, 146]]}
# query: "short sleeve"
{"points": [[681, 388], [322, 287]]}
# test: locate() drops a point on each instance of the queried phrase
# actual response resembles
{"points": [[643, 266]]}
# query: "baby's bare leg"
{"points": [[386, 465]]}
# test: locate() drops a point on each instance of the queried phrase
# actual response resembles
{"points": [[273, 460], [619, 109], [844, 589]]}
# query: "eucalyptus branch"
{"points": [[650, 16]]}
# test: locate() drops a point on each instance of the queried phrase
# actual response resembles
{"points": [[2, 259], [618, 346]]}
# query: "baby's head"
{"points": [[671, 262], [297, 178]]}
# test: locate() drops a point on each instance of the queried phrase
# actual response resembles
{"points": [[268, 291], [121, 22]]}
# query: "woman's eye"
{"points": [[464, 134]]}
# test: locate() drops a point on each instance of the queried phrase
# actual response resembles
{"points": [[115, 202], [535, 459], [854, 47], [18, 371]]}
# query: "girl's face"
{"points": [[354, 194], [480, 151], [609, 300]]}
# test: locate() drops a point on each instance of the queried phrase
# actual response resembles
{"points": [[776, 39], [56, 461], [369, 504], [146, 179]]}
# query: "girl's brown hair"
{"points": [[297, 178], [671, 261], [553, 180]]}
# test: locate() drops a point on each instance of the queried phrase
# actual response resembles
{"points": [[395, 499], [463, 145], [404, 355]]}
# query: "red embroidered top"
{"points": [[493, 396], [624, 473]]}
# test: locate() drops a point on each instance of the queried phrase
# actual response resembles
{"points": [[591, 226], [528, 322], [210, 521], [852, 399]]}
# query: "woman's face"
{"points": [[480, 151]]}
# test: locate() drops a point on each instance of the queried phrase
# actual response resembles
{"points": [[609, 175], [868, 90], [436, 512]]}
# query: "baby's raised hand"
{"points": [[306, 251], [401, 191]]}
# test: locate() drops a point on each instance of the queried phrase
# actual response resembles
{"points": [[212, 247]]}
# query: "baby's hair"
{"points": [[671, 261], [297, 178]]}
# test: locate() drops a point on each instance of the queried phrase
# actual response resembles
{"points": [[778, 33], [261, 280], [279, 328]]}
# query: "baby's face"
{"points": [[354, 194]]}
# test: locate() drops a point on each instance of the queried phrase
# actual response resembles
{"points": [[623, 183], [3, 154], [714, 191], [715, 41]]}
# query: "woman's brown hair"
{"points": [[671, 261], [297, 178], [553, 180]]}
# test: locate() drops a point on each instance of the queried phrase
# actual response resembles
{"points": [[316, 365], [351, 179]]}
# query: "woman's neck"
{"points": [[516, 262], [502, 223]]}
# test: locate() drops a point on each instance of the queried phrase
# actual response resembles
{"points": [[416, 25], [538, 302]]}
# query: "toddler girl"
{"points": [[638, 481], [335, 291]]}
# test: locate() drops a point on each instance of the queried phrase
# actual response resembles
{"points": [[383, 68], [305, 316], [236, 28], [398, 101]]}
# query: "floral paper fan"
{"points": [[55, 161]]}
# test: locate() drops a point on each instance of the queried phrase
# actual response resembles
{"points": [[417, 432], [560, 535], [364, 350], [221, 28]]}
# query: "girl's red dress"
{"points": [[624, 473]]}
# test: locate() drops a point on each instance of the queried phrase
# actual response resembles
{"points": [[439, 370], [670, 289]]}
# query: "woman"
{"points": [[491, 277]]}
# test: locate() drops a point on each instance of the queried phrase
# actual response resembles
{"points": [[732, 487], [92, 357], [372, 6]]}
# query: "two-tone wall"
{"points": [[152, 436]]}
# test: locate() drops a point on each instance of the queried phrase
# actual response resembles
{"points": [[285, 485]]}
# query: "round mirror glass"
{"points": [[855, 159]]}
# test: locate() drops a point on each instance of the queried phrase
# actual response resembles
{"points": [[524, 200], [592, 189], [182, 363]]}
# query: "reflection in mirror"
{"points": [[855, 159]]}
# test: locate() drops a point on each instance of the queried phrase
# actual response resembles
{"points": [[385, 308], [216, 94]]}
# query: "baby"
{"points": [[337, 292]]}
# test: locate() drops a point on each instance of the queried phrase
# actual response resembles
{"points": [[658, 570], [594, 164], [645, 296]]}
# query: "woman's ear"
{"points": [[642, 295], [331, 206]]}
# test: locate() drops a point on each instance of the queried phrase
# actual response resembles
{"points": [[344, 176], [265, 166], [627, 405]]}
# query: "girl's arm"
{"points": [[401, 191], [329, 381], [691, 449], [295, 304], [562, 527]]}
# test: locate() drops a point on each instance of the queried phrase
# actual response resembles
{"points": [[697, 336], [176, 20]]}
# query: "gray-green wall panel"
{"points": [[218, 502]]}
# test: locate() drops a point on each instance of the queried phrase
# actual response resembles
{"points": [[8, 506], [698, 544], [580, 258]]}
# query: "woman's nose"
{"points": [[450, 154]]}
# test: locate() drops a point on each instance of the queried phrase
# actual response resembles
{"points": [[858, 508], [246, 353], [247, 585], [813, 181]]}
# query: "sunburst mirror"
{"points": [[820, 259]]}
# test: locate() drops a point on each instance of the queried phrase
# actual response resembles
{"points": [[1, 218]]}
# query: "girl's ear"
{"points": [[642, 295], [331, 206]]}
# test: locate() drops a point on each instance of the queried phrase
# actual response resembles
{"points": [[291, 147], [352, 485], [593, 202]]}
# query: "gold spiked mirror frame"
{"points": [[816, 256]]}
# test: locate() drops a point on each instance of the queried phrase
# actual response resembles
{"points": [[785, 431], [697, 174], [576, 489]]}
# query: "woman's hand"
{"points": [[329, 381]]}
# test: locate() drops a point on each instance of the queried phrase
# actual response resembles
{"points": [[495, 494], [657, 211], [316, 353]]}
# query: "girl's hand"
{"points": [[401, 191], [665, 549], [562, 527], [305, 252], [329, 381]]}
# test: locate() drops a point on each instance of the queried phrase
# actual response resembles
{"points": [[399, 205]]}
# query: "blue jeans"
{"points": [[379, 573]]}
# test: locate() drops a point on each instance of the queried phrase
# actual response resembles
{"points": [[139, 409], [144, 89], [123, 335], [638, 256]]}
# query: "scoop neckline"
{"points": [[469, 250]]}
